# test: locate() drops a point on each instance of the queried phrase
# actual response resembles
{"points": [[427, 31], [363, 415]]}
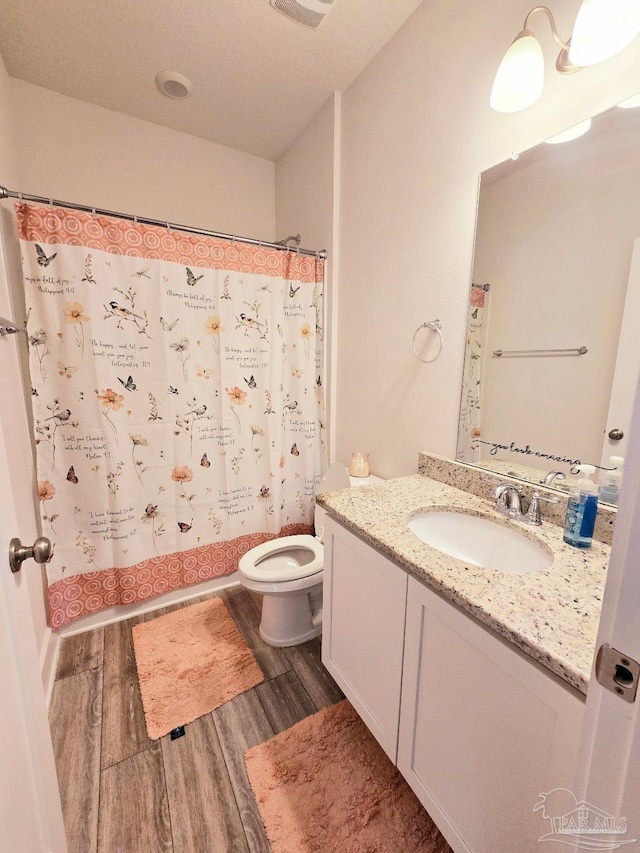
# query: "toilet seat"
{"points": [[288, 574], [288, 558]]}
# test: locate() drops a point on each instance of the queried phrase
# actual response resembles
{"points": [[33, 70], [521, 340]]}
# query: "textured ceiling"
{"points": [[259, 78]]}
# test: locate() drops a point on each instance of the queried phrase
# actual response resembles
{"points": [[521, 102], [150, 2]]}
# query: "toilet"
{"points": [[288, 573]]}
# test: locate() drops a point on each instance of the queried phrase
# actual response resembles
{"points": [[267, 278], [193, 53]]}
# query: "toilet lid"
{"points": [[285, 559]]}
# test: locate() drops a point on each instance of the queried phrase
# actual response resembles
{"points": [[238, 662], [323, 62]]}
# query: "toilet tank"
{"points": [[336, 477]]}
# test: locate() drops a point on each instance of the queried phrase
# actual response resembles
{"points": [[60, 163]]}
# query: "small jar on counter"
{"points": [[359, 465]]}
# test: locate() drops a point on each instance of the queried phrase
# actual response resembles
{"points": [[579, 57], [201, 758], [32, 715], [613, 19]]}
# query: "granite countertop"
{"points": [[550, 615]]}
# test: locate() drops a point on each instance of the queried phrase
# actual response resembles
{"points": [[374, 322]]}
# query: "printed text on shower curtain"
{"points": [[177, 402]]}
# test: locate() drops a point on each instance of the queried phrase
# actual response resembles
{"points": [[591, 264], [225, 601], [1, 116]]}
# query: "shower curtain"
{"points": [[468, 448], [177, 401]]}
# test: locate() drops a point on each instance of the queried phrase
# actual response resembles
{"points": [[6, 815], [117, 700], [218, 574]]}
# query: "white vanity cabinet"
{"points": [[482, 729], [364, 604]]}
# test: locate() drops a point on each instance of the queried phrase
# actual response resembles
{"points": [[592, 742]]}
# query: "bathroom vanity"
{"points": [[472, 680]]}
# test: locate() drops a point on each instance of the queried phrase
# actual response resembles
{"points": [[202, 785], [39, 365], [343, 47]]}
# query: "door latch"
{"points": [[617, 672]]}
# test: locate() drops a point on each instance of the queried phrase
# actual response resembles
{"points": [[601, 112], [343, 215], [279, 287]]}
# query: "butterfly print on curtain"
{"points": [[177, 419]]}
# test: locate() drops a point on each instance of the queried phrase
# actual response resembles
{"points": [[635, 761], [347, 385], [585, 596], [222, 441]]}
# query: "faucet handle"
{"points": [[532, 515]]}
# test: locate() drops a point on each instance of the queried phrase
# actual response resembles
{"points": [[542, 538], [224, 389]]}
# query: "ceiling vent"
{"points": [[309, 13]]}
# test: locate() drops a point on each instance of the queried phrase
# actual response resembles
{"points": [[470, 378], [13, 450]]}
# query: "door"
{"points": [[609, 768], [627, 369], [364, 601], [30, 813]]}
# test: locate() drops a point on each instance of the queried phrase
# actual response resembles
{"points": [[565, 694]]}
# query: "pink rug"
{"points": [[190, 662], [326, 785]]}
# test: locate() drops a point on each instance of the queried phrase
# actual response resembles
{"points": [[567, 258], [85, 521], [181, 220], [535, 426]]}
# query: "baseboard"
{"points": [[49, 654], [121, 612]]}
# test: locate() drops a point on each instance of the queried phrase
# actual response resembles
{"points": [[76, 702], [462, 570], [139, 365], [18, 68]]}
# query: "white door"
{"points": [[30, 813], [627, 369], [609, 769]]}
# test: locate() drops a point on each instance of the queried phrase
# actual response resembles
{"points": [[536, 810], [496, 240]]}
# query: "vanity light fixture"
{"points": [[602, 29]]}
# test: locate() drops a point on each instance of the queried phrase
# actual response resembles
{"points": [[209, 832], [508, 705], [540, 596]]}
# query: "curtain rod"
{"points": [[5, 193], [484, 287]]}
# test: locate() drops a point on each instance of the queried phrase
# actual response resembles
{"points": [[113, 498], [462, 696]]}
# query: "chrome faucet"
{"points": [[551, 476], [508, 499]]}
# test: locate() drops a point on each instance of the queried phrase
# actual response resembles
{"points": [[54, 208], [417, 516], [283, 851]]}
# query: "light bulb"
{"points": [[602, 29], [520, 76]]}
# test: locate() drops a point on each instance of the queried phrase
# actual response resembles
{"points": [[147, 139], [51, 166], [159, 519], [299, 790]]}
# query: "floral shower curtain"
{"points": [[468, 448], [177, 402]]}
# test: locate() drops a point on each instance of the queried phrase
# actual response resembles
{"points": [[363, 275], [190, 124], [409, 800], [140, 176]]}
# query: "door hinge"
{"points": [[617, 672]]}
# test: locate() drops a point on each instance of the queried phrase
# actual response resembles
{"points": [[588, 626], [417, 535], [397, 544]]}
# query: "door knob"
{"points": [[41, 551], [616, 434]]}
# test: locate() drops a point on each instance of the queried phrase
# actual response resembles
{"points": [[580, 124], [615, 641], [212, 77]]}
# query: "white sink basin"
{"points": [[479, 542]]}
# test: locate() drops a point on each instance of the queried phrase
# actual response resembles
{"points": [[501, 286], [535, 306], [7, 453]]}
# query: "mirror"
{"points": [[551, 364]]}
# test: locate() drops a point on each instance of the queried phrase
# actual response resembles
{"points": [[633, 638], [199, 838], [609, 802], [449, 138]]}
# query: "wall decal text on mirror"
{"points": [[495, 446]]}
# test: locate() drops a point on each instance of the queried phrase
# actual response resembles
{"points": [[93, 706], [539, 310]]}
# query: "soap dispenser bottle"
{"points": [[582, 507], [611, 480]]}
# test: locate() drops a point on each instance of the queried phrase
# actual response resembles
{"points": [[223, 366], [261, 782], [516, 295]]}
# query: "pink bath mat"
{"points": [[326, 786], [190, 662]]}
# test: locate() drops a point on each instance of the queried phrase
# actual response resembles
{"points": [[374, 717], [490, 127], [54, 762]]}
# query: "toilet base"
{"points": [[287, 620]]}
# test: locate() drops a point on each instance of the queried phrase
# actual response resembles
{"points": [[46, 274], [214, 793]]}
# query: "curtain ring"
{"points": [[93, 210], [20, 196], [434, 326], [168, 228], [135, 218]]}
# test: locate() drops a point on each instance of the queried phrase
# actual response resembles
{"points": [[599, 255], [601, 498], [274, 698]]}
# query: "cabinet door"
{"points": [[364, 602], [484, 730]]}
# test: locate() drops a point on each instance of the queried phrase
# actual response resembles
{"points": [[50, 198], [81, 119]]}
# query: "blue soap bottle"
{"points": [[582, 507]]}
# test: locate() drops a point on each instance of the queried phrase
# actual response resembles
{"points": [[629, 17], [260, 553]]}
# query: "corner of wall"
{"points": [[331, 370], [313, 162], [8, 147]]}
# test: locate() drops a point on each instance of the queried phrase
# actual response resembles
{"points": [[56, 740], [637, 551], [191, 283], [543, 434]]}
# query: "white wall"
{"points": [[554, 239], [306, 204], [417, 131], [8, 159], [304, 183], [79, 152]]}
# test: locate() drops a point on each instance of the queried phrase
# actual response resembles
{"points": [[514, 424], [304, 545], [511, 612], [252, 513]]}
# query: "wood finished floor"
{"points": [[124, 793]]}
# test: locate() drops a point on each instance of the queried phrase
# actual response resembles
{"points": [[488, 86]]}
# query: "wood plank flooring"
{"points": [[122, 792]]}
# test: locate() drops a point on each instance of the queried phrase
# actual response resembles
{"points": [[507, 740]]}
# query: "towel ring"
{"points": [[434, 326]]}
